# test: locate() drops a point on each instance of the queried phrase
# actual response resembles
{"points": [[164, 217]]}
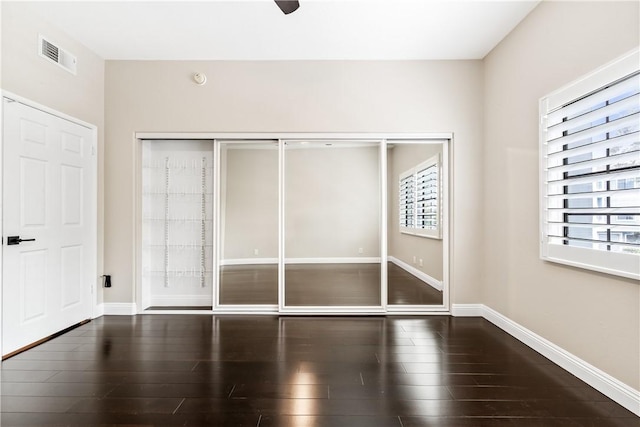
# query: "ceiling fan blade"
{"points": [[288, 6]]}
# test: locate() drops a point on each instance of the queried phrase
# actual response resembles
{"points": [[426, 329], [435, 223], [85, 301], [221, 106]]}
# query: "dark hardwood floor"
{"points": [[323, 284], [203, 370]]}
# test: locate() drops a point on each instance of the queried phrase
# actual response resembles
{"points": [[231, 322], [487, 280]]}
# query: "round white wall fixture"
{"points": [[200, 78]]}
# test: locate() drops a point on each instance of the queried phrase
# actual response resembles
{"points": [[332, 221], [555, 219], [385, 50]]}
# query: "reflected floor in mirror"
{"points": [[323, 284], [332, 284], [266, 371], [249, 284], [407, 289]]}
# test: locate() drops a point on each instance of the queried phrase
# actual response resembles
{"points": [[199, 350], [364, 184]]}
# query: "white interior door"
{"points": [[49, 258]]}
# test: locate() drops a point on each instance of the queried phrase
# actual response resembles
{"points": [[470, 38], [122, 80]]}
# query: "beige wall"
{"points": [[405, 246], [302, 96], [591, 315], [26, 74], [332, 202], [249, 203]]}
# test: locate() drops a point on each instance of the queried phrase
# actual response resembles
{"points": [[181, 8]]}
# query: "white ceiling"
{"points": [[258, 30]]}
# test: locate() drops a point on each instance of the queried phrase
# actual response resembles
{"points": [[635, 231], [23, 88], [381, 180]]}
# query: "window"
{"points": [[419, 199], [590, 171]]}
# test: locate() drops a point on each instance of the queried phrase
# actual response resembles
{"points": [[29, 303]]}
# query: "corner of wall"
{"points": [[611, 387]]}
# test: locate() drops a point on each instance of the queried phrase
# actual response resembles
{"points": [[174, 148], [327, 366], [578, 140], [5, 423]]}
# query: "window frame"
{"points": [[614, 263], [414, 229]]}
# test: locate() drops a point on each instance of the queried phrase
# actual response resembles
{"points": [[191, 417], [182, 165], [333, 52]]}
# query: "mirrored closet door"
{"points": [[248, 223], [332, 216], [416, 223]]}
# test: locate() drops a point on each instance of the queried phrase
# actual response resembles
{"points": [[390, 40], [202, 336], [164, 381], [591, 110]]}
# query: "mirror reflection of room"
{"points": [[414, 235], [332, 224], [248, 223]]}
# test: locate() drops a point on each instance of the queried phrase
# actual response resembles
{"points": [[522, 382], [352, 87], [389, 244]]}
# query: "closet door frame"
{"points": [[445, 218], [218, 232], [384, 139], [382, 168]]}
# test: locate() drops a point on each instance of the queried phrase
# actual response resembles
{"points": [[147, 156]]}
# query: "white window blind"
{"points": [[427, 197], [590, 172], [407, 201], [419, 199]]}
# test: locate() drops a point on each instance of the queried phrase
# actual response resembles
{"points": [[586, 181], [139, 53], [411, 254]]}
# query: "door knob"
{"points": [[15, 240]]}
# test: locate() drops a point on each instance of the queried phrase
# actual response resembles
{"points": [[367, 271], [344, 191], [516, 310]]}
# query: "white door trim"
{"points": [[371, 136], [95, 308], [45, 109]]}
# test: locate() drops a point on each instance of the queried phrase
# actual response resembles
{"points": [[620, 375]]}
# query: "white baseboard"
{"points": [[596, 378], [180, 300], [249, 261], [341, 260], [467, 310], [434, 283], [119, 309]]}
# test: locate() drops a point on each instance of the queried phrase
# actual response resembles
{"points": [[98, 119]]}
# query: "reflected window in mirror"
{"points": [[415, 209], [419, 199]]}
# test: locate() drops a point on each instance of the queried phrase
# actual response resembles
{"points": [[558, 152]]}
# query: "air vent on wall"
{"points": [[50, 51]]}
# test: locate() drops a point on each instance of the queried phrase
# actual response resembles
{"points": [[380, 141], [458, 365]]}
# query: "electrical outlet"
{"points": [[420, 262], [256, 252], [414, 259], [360, 250]]}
